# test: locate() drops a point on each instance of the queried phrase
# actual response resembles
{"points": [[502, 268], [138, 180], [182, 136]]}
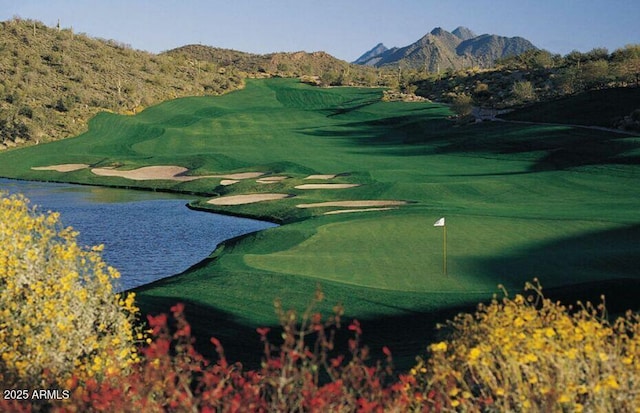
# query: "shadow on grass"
{"points": [[407, 335], [241, 342], [349, 106], [579, 268], [547, 147], [595, 107]]}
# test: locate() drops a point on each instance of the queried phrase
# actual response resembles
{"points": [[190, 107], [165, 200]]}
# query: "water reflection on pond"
{"points": [[147, 235]]}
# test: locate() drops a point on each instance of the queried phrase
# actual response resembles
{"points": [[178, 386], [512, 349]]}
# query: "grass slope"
{"points": [[520, 200]]}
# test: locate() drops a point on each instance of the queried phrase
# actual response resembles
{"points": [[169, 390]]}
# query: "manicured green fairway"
{"points": [[521, 201]]}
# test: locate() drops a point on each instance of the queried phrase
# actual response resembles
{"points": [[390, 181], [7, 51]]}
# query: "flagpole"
{"points": [[441, 223], [444, 248]]}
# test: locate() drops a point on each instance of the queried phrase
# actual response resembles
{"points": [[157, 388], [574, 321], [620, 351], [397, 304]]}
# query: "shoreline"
{"points": [[189, 205]]}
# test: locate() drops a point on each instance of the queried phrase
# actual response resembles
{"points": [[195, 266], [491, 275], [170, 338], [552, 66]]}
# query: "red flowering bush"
{"points": [[296, 375]]}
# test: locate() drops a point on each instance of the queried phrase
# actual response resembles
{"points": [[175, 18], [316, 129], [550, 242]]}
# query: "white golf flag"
{"points": [[439, 223]]}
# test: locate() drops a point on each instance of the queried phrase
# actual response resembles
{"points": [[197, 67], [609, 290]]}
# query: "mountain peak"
{"points": [[438, 31], [463, 33], [440, 49], [369, 57]]}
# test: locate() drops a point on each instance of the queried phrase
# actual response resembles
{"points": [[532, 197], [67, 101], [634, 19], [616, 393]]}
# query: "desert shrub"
{"points": [[481, 91], [59, 315], [523, 91], [462, 105], [533, 354]]}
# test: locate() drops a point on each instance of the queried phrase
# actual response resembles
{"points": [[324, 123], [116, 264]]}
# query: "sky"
{"points": [[343, 28]]}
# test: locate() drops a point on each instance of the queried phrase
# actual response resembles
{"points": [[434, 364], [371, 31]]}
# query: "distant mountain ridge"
{"points": [[440, 50], [316, 67], [370, 55], [280, 63]]}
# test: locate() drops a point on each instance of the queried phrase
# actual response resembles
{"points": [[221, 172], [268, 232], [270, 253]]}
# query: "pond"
{"points": [[147, 235]]}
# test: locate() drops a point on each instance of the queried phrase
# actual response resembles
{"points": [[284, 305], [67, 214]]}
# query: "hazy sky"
{"points": [[343, 28]]}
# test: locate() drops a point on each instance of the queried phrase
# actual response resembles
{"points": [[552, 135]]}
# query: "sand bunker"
{"points": [[246, 199], [271, 179], [241, 175], [167, 172], [172, 173], [68, 167], [326, 186], [226, 182], [354, 204], [321, 176], [346, 211]]}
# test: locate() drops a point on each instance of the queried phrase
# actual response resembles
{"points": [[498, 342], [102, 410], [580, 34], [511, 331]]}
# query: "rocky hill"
{"points": [[322, 66], [52, 80], [440, 50]]}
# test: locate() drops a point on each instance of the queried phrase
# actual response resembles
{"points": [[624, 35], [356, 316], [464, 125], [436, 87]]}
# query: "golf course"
{"points": [[357, 184]]}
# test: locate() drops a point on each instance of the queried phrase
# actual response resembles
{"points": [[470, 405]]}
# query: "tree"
{"points": [[594, 74], [566, 81], [574, 57], [370, 78], [542, 60], [598, 53], [626, 64], [346, 77]]}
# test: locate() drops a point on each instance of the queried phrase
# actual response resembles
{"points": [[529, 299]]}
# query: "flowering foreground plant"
{"points": [[62, 327], [59, 317], [533, 354]]}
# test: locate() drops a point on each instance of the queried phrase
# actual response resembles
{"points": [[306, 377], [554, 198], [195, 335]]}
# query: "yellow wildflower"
{"points": [[474, 354], [564, 398], [439, 347], [611, 382]]}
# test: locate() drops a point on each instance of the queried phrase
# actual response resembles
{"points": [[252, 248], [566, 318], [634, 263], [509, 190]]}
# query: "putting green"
{"points": [[364, 252]]}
